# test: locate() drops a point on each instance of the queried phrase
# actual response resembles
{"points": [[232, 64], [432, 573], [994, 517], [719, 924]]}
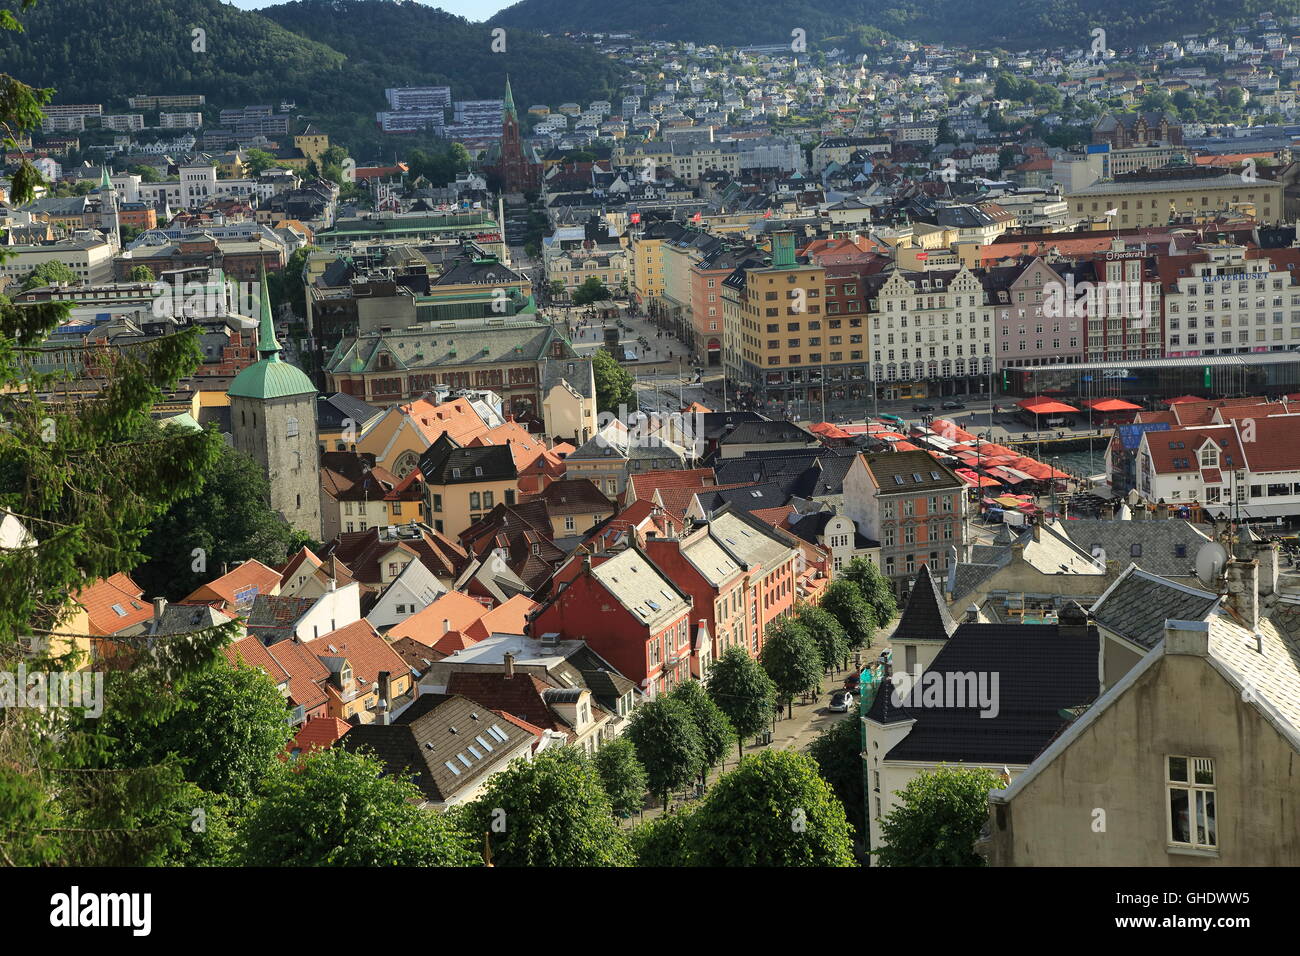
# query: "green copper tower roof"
{"points": [[272, 377], [510, 100], [104, 181]]}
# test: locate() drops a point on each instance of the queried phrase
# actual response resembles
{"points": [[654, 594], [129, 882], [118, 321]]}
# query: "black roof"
{"points": [[447, 463], [926, 617], [767, 433], [1040, 672]]}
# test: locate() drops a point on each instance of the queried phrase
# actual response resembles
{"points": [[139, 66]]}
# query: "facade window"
{"points": [[437, 502], [291, 428], [1190, 784]]}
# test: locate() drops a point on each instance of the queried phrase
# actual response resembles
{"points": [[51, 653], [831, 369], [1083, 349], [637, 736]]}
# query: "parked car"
{"points": [[840, 701], [852, 683], [922, 408], [954, 404]]}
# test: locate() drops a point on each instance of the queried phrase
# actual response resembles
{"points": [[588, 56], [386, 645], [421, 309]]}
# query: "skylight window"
{"points": [[898, 479], [117, 608], [463, 759], [484, 744], [916, 476], [497, 733], [478, 755], [452, 767]]}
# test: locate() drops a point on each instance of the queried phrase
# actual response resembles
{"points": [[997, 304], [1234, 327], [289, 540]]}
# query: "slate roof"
{"points": [[1040, 673], [446, 463], [1159, 543], [768, 433], [905, 465], [272, 618], [430, 743], [333, 410], [926, 617], [1138, 603]]}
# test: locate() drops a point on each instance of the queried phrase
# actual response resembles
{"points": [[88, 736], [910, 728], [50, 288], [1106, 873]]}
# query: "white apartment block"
{"points": [[180, 120], [1230, 301], [90, 259]]}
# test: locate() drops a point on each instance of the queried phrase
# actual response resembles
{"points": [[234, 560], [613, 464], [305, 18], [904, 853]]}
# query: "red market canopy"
{"points": [[1111, 405], [828, 430], [968, 476], [905, 446], [1045, 406], [946, 429]]}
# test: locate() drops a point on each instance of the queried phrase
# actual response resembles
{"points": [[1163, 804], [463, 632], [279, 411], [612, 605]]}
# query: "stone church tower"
{"points": [[273, 420], [515, 168]]}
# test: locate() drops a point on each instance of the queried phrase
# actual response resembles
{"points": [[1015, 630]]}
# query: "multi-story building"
{"points": [[785, 351], [1225, 299], [175, 101], [1154, 202], [931, 332], [1025, 336], [647, 261], [628, 612], [913, 505], [462, 484], [419, 97], [510, 357], [90, 259], [180, 120]]}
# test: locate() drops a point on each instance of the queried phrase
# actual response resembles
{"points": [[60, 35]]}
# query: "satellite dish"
{"points": [[1210, 560]]}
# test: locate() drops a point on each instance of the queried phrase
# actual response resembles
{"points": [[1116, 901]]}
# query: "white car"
{"points": [[840, 701]]}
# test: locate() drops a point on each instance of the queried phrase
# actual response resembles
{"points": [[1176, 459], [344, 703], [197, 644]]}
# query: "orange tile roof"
{"points": [[103, 599], [318, 733], [457, 418], [508, 618], [458, 610], [250, 574], [365, 650], [646, 483]]}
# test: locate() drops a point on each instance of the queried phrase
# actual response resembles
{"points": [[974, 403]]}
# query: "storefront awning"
{"points": [[1045, 406]]}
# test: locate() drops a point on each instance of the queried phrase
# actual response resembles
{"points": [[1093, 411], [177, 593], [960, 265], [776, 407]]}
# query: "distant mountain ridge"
{"points": [[333, 58], [1009, 24]]}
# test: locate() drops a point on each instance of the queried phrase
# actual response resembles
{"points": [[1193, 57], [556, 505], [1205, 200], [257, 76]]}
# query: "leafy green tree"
{"points": [[613, 383], [84, 483], [791, 658], [743, 691], [827, 633], [875, 588], [843, 599], [224, 521], [551, 811], [714, 729], [667, 744], [773, 810], [259, 161], [556, 287], [48, 273], [338, 808], [622, 776], [593, 289], [838, 753], [938, 818], [147, 174], [665, 840], [140, 274], [228, 726]]}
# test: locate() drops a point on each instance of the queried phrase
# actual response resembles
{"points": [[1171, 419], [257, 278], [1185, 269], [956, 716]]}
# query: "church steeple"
{"points": [[267, 344], [510, 101]]}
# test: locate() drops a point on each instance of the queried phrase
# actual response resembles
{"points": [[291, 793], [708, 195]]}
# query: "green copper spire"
{"points": [[267, 345], [510, 101], [104, 181]]}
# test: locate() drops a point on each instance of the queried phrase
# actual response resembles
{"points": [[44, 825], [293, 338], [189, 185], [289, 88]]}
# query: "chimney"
{"points": [[972, 615], [159, 605], [509, 661], [381, 708], [1243, 590], [1072, 621], [1187, 637]]}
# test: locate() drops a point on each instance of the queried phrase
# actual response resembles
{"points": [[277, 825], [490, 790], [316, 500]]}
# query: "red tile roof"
{"points": [[251, 574], [318, 733], [114, 604]]}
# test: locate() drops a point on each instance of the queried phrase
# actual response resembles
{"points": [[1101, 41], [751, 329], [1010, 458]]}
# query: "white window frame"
{"points": [[1199, 795]]}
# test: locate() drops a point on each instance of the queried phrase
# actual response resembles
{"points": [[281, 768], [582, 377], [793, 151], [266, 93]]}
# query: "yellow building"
{"points": [[312, 143], [1127, 205], [647, 261], [787, 347]]}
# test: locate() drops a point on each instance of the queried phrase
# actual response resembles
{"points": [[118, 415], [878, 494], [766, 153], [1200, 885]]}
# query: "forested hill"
{"points": [[333, 58], [1009, 24]]}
